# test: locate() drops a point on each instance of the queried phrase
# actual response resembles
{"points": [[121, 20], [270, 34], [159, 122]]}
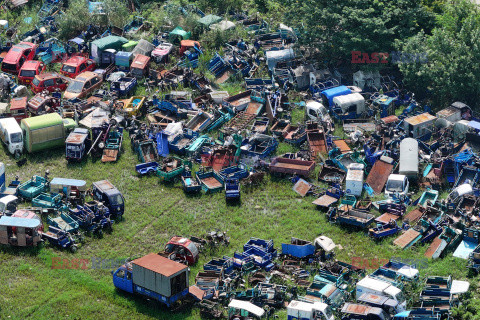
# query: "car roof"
{"points": [[30, 64], [48, 75], [85, 76], [75, 61]]}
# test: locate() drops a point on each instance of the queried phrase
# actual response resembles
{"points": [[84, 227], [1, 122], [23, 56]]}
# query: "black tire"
{"points": [[73, 248]]}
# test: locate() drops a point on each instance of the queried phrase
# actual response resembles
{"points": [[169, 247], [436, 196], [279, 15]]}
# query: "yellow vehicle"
{"points": [[134, 106]]}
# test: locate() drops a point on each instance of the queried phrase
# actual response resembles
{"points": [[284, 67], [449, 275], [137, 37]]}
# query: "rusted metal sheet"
{"points": [[196, 292], [390, 119], [325, 201], [212, 183], [413, 216], [378, 176], [317, 143], [405, 239], [302, 187], [342, 145], [386, 218], [109, 155], [436, 243]]}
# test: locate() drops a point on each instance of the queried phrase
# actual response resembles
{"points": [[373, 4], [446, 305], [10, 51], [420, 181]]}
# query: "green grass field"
{"points": [[154, 212]]}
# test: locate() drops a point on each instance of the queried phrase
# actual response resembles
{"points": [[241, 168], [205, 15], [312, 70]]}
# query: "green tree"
{"points": [[452, 72], [338, 27]]}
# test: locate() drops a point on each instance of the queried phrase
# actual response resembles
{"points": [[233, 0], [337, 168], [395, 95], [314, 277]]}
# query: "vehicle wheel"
{"points": [[73, 248], [100, 233]]}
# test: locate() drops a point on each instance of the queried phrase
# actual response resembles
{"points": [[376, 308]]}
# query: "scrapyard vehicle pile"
{"points": [[384, 176]]}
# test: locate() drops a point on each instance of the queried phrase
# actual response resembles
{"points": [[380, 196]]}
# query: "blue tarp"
{"points": [[461, 159], [329, 94], [162, 144]]}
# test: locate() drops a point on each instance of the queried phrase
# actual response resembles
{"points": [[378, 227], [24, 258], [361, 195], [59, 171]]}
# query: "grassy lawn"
{"points": [[155, 212]]}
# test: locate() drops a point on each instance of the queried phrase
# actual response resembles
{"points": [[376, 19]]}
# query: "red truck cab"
{"points": [[76, 65], [17, 56], [29, 70], [50, 81], [182, 250]]}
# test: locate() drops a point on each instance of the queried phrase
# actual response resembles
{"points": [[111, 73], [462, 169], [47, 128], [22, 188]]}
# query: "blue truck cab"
{"points": [[106, 192]]}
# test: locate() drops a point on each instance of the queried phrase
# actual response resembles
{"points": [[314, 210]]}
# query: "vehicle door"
{"points": [[41, 68], [89, 65], [49, 84], [121, 280], [61, 84], [80, 68]]}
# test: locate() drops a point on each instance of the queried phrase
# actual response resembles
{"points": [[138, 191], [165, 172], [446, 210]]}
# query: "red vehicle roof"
{"points": [[159, 264], [140, 61], [18, 103], [31, 65], [75, 61], [47, 75], [16, 51]]}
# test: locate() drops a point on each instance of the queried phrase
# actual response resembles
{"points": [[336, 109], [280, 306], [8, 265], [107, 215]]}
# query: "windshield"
{"points": [[68, 69], [27, 73], [9, 66], [75, 87], [328, 313], [116, 200], [16, 137], [395, 185], [35, 81]]}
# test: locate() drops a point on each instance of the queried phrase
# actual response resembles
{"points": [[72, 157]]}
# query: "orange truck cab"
{"points": [[29, 70], [76, 65], [17, 56]]}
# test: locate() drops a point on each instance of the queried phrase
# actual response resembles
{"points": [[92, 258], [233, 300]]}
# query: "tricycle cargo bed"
{"points": [[292, 166], [356, 218]]}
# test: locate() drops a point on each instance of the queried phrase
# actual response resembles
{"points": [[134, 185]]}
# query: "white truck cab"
{"points": [[8, 205], [396, 184], [316, 111], [311, 311], [11, 135]]}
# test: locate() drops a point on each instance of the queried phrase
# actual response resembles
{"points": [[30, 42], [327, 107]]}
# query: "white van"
{"points": [[379, 287], [11, 135]]}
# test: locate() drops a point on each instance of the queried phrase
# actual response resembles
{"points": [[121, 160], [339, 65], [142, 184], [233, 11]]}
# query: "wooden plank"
{"points": [[405, 239], [413, 216]]}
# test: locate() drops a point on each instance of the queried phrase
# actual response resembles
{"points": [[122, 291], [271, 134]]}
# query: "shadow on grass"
{"points": [[156, 309], [19, 251]]}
